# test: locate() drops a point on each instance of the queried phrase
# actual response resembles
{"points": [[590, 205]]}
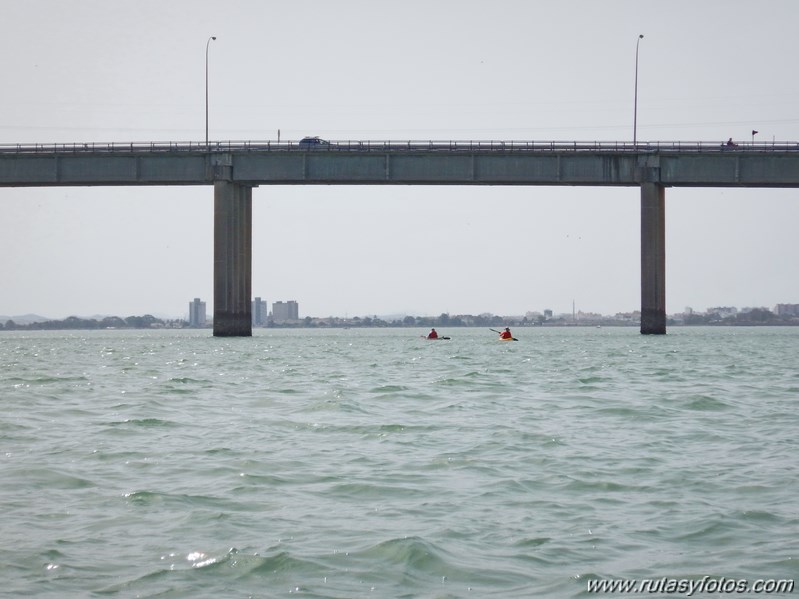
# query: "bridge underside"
{"points": [[233, 259], [234, 169]]}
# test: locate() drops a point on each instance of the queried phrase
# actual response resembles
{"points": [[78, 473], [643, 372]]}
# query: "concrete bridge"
{"points": [[234, 168]]}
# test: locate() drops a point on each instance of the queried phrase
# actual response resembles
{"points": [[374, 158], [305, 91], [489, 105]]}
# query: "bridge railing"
{"points": [[393, 146]]}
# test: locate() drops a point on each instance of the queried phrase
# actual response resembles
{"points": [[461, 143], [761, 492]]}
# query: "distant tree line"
{"points": [[147, 321], [756, 316], [444, 320]]}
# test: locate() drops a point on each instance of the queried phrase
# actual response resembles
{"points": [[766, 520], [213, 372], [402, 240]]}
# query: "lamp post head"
{"points": [[213, 37], [640, 37]]}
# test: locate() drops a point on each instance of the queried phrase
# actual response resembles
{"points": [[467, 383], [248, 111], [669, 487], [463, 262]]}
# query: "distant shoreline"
{"points": [[150, 323]]}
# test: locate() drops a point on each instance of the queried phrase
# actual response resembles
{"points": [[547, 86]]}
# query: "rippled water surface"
{"points": [[373, 463]]}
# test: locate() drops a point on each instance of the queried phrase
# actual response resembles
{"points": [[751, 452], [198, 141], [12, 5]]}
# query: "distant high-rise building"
{"points": [[787, 310], [259, 312], [197, 313], [283, 311]]}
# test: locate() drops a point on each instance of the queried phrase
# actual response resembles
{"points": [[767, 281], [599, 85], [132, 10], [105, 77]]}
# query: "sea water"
{"points": [[374, 463]]}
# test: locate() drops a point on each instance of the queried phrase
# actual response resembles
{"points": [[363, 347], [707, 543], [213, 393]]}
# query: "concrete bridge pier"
{"points": [[653, 259], [232, 259]]}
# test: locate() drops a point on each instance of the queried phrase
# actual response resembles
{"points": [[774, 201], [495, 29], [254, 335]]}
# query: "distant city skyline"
{"points": [[197, 316], [783, 315]]}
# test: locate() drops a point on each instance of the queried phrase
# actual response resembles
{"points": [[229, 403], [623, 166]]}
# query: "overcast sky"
{"points": [[109, 70]]}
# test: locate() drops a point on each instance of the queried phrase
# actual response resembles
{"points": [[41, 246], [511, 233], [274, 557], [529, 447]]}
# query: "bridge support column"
{"points": [[653, 259], [232, 260]]}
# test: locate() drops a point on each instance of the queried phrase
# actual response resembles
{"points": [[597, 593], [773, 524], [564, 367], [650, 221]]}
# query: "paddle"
{"points": [[500, 332]]}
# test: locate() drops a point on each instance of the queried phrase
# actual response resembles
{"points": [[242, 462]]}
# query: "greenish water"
{"points": [[373, 463]]}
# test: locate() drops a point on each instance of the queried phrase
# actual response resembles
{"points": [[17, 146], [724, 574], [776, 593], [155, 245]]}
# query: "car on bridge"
{"points": [[311, 143]]}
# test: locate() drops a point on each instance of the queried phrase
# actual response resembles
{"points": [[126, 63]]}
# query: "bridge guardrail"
{"points": [[394, 146]]}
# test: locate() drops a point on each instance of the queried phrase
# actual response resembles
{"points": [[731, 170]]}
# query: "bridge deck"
{"points": [[401, 163]]}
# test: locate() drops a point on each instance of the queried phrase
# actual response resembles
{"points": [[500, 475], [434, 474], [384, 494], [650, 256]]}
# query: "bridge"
{"points": [[234, 168]]}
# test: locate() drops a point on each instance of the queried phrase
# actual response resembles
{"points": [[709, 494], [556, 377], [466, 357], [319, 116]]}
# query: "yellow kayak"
{"points": [[501, 338]]}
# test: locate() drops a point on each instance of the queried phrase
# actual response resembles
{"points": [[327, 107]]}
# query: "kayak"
{"points": [[436, 338], [503, 338]]}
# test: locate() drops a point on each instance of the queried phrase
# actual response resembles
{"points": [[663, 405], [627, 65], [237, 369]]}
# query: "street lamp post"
{"points": [[208, 43], [635, 106]]}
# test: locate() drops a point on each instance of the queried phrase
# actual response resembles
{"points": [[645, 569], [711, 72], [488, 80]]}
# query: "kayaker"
{"points": [[432, 334], [506, 334]]}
